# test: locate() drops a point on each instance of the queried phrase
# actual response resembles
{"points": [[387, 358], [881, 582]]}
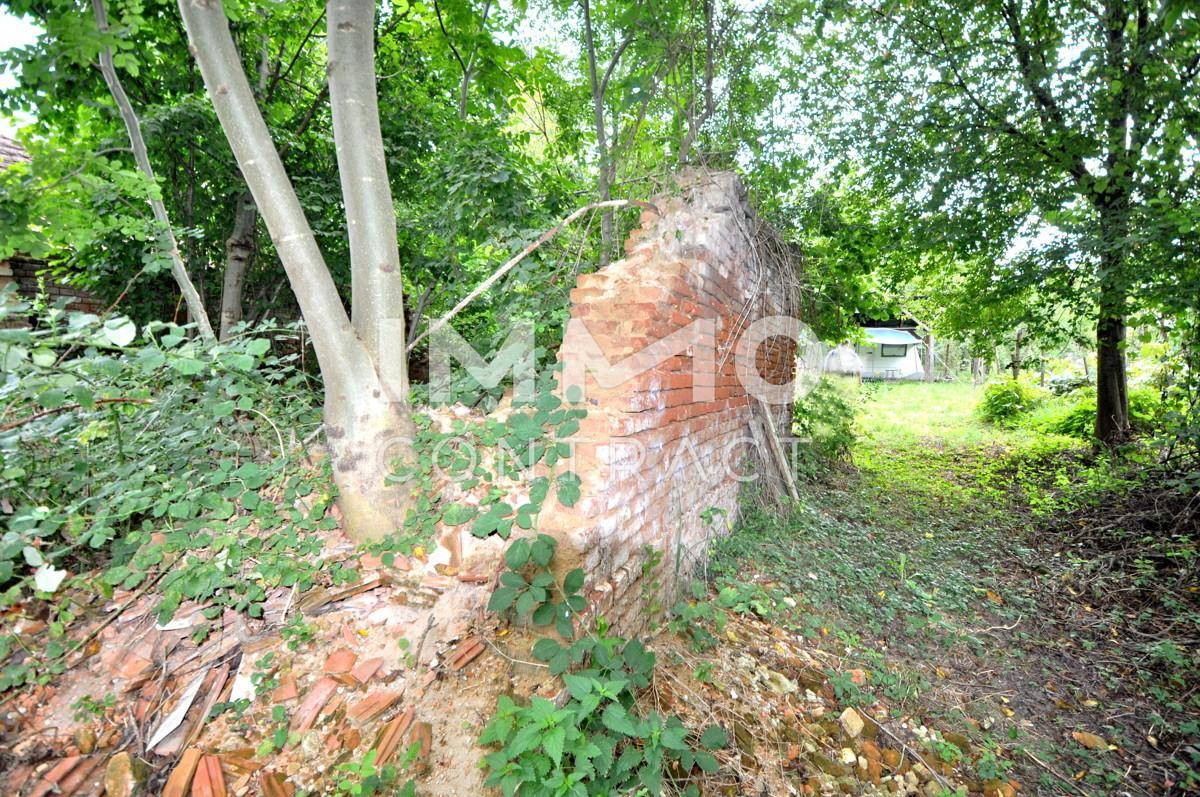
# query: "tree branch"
{"points": [[134, 128], [377, 289], [512, 262]]}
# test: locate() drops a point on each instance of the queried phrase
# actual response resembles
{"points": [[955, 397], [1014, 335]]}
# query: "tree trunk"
{"points": [[366, 421], [1016, 359], [604, 183], [1112, 400], [976, 369], [133, 127], [377, 287], [239, 248], [929, 357]]}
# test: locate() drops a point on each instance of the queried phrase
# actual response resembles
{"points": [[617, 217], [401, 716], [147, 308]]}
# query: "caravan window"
{"points": [[892, 350]]}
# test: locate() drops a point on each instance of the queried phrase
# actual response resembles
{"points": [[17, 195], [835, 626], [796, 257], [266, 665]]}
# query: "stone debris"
{"points": [[852, 724]]}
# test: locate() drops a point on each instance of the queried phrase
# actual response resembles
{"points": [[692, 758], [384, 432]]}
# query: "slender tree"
{"points": [[361, 356], [133, 128]]}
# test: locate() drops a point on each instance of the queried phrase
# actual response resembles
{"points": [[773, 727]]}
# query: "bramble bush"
{"points": [[132, 456], [528, 445]]}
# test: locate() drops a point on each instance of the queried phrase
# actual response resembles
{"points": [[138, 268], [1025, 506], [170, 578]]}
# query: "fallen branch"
{"points": [[511, 263], [909, 751], [68, 408]]}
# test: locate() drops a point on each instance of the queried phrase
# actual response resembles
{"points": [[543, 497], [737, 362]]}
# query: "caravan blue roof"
{"points": [[891, 336]]}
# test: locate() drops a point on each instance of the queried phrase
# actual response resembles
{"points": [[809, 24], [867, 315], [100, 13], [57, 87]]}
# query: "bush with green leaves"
{"points": [[699, 619], [1075, 414], [824, 421], [529, 590], [138, 457], [1004, 402], [596, 743]]}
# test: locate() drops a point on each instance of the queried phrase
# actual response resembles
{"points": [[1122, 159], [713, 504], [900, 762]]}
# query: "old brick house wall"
{"points": [[33, 279]]}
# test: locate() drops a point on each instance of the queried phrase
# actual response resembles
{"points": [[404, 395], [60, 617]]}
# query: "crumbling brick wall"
{"points": [[662, 455]]}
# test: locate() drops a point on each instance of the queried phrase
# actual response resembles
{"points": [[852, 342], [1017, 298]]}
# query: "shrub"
{"points": [[1075, 415], [597, 743], [824, 419], [149, 457], [1005, 402]]}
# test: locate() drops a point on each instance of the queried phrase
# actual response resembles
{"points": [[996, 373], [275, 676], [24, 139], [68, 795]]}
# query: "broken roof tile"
{"points": [[180, 780], [209, 780], [287, 690], [466, 652], [366, 669], [372, 706], [341, 660], [389, 737], [314, 701]]}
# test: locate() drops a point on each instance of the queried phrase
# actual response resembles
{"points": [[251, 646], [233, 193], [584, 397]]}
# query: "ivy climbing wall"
{"points": [[682, 325]]}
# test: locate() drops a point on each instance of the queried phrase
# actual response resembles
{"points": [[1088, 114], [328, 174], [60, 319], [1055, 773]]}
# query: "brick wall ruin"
{"points": [[663, 452], [663, 443], [660, 453]]}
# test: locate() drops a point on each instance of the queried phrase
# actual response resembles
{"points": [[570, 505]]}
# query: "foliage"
{"points": [[697, 620], [157, 459], [1074, 415], [528, 588], [477, 454], [597, 743], [1060, 178], [824, 420], [364, 778], [700, 619], [1004, 402]]}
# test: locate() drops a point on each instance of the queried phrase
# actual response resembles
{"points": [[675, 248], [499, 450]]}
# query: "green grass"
{"points": [[932, 558]]}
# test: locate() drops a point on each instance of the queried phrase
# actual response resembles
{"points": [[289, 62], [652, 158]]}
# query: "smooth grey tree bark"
{"points": [[133, 126], [362, 361]]}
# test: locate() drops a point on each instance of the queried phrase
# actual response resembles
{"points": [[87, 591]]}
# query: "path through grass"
{"points": [[927, 561]]}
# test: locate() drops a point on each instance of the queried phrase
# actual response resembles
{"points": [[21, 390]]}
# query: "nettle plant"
{"points": [[528, 446], [596, 743], [145, 458]]}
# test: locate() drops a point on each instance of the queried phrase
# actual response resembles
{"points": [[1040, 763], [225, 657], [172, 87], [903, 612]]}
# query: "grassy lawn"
{"points": [[931, 559]]}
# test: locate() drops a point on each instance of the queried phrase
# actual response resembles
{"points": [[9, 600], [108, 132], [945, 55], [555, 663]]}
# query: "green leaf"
{"points": [[552, 743], [545, 649], [573, 581], [568, 489], [458, 514], [120, 331], [617, 719], [501, 599], [578, 685], [714, 738], [517, 554]]}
